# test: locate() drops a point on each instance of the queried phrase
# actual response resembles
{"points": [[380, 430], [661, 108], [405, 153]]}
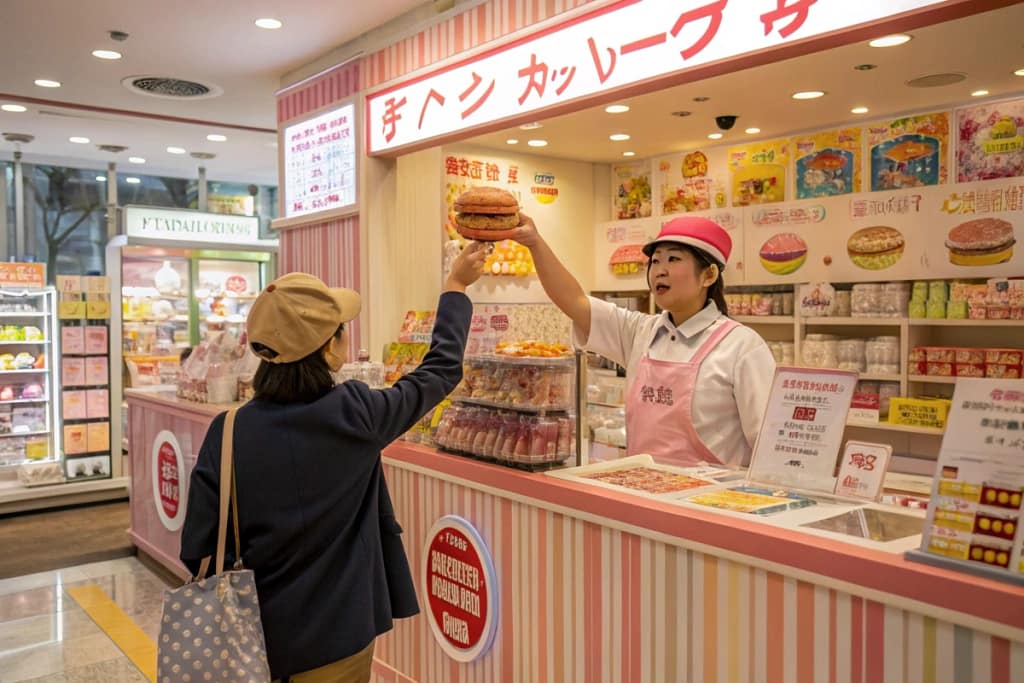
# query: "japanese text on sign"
{"points": [[320, 163], [614, 46]]}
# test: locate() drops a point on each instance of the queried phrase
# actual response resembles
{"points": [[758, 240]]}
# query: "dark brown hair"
{"points": [[303, 381], [716, 292]]}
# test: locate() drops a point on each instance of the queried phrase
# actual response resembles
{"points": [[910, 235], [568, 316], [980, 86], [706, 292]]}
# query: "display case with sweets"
{"points": [[520, 440]]}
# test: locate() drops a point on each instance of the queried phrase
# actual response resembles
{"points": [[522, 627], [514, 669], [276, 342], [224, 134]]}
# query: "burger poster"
{"points": [[991, 142], [828, 163], [909, 152], [759, 172], [694, 181]]}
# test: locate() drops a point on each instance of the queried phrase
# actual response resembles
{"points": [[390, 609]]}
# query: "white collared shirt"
{"points": [[734, 380]]}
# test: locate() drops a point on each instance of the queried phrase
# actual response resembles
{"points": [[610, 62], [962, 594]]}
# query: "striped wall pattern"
{"points": [[322, 91], [328, 250], [472, 28], [579, 602]]}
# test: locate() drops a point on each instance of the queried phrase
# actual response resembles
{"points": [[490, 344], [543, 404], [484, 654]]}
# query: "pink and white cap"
{"points": [[695, 231]]}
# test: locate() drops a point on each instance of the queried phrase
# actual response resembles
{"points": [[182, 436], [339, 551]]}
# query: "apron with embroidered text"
{"points": [[659, 407]]}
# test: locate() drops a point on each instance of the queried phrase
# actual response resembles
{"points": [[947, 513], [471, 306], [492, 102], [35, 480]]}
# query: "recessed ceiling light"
{"points": [[1019, 72], [618, 137], [78, 140], [47, 83], [101, 178], [175, 150], [216, 137], [865, 67], [859, 110], [136, 160], [808, 94], [752, 131], [511, 141], [537, 143], [268, 23], [616, 109], [682, 113], [714, 136], [629, 154], [531, 126], [701, 98], [133, 180], [979, 93], [106, 54], [890, 41], [12, 107]]}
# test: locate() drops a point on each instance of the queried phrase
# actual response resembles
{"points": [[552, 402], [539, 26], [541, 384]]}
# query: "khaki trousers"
{"points": [[354, 669]]}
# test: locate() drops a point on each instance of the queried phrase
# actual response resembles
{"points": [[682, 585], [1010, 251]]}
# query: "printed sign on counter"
{"points": [[974, 515], [461, 588], [168, 473], [803, 428], [862, 469]]}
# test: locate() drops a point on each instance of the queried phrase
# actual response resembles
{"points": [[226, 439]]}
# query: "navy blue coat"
{"points": [[317, 525]]}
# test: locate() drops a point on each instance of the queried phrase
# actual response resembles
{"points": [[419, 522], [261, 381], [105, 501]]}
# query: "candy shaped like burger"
{"points": [[487, 214]]}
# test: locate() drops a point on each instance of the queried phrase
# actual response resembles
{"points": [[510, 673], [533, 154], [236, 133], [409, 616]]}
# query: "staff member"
{"points": [[698, 381]]}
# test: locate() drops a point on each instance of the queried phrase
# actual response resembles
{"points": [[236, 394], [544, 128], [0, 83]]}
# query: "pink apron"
{"points": [[659, 407]]}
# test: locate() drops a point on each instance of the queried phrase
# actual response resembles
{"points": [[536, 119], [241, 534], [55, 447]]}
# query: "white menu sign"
{"points": [[320, 163], [862, 469], [803, 428], [975, 511]]}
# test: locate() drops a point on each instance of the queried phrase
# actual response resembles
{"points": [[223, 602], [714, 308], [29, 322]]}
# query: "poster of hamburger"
{"points": [[909, 152], [991, 142], [827, 163]]}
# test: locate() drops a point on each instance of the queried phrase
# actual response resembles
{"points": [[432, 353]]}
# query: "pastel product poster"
{"points": [[759, 172], [96, 370], [909, 152], [96, 339], [73, 405], [72, 372], [75, 439], [828, 163], [694, 181], [631, 190], [72, 339], [97, 436], [991, 142], [97, 403]]}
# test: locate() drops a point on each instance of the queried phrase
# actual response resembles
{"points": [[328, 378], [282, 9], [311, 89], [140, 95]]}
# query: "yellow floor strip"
{"points": [[119, 627]]}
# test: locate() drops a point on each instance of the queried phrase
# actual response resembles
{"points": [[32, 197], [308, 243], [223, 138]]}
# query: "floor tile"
{"points": [[18, 634], [33, 602], [119, 670], [53, 658]]}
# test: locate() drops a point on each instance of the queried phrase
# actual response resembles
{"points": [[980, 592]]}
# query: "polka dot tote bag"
{"points": [[210, 629]]}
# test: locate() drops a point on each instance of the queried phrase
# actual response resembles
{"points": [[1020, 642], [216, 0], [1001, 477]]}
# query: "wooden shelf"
{"points": [[944, 322], [887, 427], [606, 405], [764, 319], [930, 379], [22, 343], [871, 377], [851, 322], [22, 314]]}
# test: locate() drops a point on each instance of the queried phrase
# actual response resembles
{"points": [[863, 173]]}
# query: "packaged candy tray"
{"points": [[537, 384], [530, 441]]}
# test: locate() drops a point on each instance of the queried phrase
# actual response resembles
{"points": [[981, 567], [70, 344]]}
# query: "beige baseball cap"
{"points": [[296, 314]]}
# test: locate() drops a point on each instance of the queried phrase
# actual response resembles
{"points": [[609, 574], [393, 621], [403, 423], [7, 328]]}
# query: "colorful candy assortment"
{"points": [[507, 436]]}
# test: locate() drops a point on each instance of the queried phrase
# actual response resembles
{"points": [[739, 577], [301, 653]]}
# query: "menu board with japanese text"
{"points": [[319, 163]]}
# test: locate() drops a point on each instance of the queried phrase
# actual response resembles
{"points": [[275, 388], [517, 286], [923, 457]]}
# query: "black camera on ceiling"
{"points": [[726, 121]]}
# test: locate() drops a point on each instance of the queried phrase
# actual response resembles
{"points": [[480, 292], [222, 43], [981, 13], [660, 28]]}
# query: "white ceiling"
{"points": [[987, 47], [210, 42]]}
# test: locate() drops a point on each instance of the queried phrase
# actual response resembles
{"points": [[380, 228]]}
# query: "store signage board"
{"points": [[621, 44], [862, 470], [28, 275], [180, 225], [802, 430], [168, 471], [318, 165], [975, 511], [461, 589]]}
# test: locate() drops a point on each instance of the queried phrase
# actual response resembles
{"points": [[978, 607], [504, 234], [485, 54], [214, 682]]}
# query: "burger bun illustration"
{"points": [[981, 242], [783, 253], [486, 213], [875, 248]]}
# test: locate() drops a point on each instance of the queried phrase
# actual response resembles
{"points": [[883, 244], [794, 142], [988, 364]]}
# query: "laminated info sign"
{"points": [[974, 515], [802, 431]]}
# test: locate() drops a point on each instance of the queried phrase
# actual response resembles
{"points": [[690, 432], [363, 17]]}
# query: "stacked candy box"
{"points": [[519, 439], [518, 382]]}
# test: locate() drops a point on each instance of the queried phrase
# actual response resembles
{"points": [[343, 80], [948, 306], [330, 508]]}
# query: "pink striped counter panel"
{"points": [[596, 586]]}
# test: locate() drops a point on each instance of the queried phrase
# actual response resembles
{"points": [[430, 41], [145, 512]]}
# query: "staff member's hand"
{"points": [[526, 234], [467, 267]]}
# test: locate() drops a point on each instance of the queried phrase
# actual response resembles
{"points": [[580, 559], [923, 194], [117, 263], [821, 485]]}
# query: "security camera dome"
{"points": [[726, 121]]}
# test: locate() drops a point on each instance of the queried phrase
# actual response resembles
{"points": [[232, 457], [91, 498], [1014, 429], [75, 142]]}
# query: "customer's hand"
{"points": [[467, 267], [526, 234]]}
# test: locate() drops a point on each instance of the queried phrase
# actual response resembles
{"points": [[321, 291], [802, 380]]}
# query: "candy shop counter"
{"points": [[589, 578]]}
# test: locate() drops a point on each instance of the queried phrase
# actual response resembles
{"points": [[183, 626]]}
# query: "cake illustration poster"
{"points": [[759, 172], [991, 142], [827, 163], [909, 152], [694, 181]]}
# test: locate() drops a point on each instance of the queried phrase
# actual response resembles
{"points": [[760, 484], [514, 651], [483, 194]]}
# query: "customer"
{"points": [[317, 525]]}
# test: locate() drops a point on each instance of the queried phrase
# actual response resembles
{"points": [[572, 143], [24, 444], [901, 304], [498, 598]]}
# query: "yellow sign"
{"points": [[759, 172], [98, 310], [22, 275], [71, 310]]}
